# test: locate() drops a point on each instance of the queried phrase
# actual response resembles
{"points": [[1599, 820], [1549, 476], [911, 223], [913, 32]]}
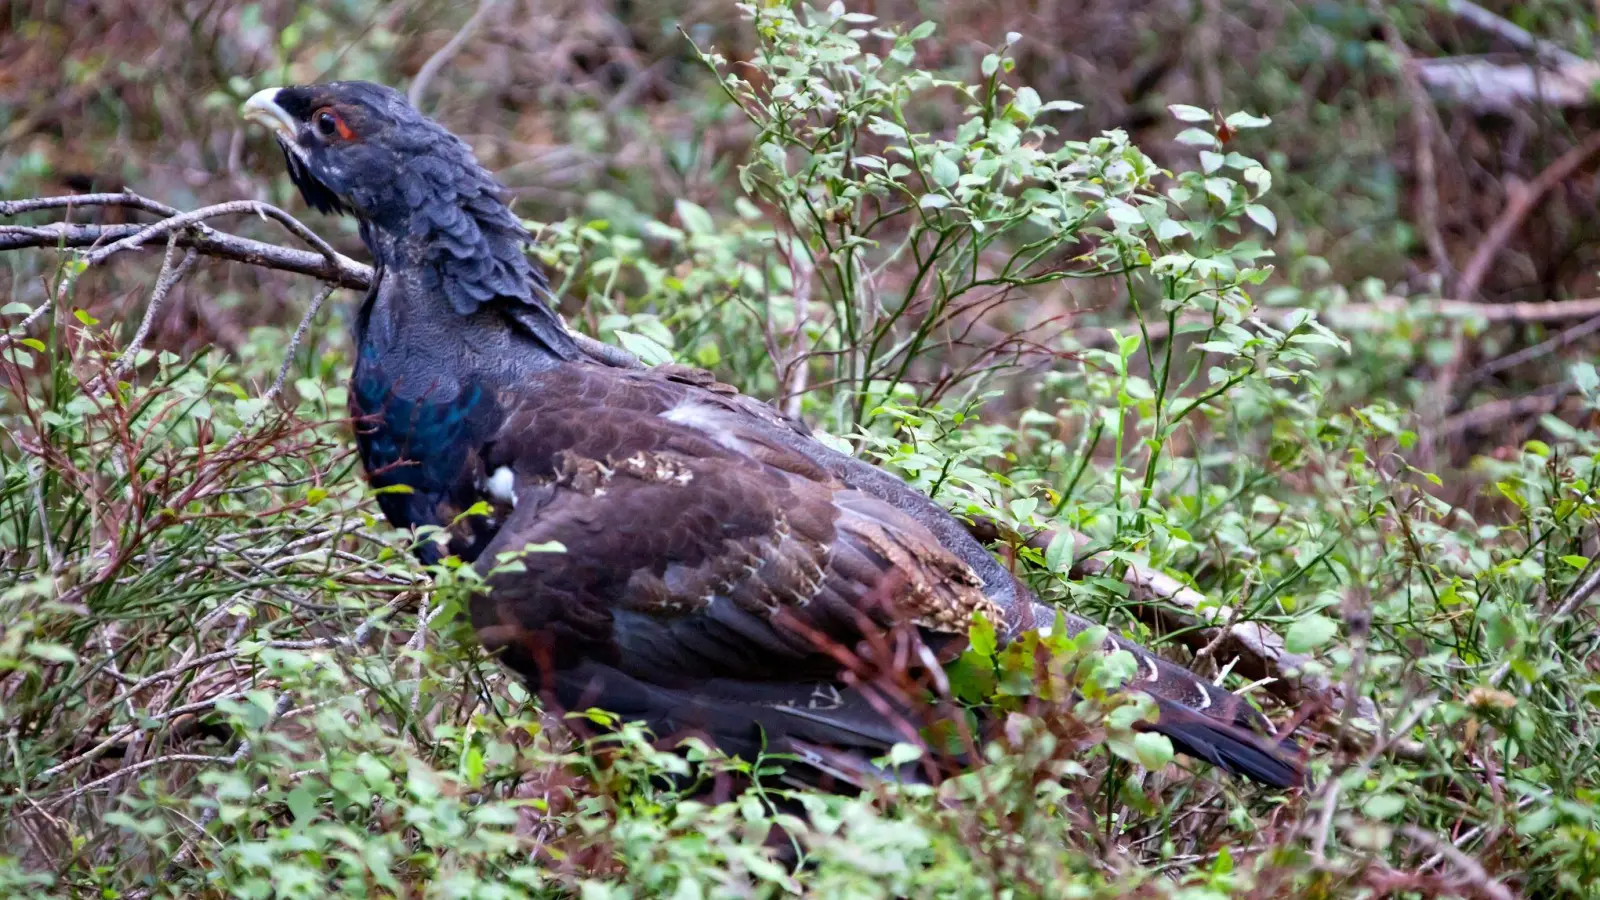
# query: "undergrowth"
{"points": [[221, 674]]}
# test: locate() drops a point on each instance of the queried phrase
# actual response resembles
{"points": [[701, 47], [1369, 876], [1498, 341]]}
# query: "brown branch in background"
{"points": [[1509, 31], [1520, 203], [425, 75], [1382, 314], [1423, 126], [1537, 351], [1487, 86], [1491, 414]]}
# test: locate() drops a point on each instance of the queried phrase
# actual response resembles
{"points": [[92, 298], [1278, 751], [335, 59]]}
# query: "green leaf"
{"points": [[302, 804], [649, 351], [694, 218], [1585, 378], [1384, 806], [84, 317], [981, 636], [1537, 821], [1246, 120], [945, 171], [933, 201], [1027, 102], [1185, 113], [15, 308], [1171, 230], [1577, 562], [1309, 633], [1220, 188], [1154, 750], [1197, 137], [1262, 216], [1058, 556], [1123, 214], [51, 652], [1211, 161], [902, 753]]}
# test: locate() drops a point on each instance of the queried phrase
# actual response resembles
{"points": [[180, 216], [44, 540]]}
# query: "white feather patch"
{"points": [[703, 418], [502, 486]]}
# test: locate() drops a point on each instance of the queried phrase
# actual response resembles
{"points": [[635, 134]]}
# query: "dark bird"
{"points": [[700, 558]]}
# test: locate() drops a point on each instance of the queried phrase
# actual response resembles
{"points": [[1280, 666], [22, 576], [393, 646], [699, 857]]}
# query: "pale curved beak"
{"points": [[262, 108]]}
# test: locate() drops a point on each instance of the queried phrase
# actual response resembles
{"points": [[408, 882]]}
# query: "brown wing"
{"points": [[668, 530]]}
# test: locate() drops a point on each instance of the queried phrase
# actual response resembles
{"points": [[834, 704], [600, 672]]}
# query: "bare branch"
{"points": [[341, 270], [1537, 351], [1509, 32], [169, 276], [1470, 868], [329, 266], [425, 75], [1518, 206], [129, 199], [294, 342], [1424, 126], [1488, 86], [234, 207], [1491, 414], [1260, 650]]}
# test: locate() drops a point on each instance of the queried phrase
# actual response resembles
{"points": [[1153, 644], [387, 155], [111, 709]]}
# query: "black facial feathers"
{"points": [[424, 200]]}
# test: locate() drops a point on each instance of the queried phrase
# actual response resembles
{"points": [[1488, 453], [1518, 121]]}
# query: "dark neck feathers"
{"points": [[445, 223]]}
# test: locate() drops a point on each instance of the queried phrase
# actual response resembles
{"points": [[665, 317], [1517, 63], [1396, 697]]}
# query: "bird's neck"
{"points": [[465, 253]]}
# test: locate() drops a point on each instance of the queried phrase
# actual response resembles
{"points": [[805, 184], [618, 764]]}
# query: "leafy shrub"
{"points": [[221, 675]]}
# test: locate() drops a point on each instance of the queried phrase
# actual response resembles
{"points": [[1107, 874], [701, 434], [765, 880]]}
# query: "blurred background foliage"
{"points": [[219, 675]]}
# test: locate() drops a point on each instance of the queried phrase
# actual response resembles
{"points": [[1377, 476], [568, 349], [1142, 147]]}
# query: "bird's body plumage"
{"points": [[700, 561]]}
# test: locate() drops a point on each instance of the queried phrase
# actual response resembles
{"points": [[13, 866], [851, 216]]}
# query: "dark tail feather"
{"points": [[1259, 758]]}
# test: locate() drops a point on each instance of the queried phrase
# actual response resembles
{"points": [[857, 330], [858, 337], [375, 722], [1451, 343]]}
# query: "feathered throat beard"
{"points": [[318, 195]]}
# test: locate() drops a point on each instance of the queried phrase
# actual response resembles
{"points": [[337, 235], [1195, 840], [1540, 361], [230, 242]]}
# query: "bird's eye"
{"points": [[327, 123]]}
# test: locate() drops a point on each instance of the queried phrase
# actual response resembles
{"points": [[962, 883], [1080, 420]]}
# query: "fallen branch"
{"points": [[1382, 314], [1260, 650], [1537, 351], [1520, 203], [1509, 31], [1491, 414], [1424, 125], [1488, 86]]}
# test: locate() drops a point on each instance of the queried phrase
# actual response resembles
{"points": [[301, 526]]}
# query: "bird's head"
{"points": [[422, 199], [351, 145]]}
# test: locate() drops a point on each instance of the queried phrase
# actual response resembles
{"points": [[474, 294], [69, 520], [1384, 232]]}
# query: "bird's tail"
{"points": [[1201, 719], [1272, 761]]}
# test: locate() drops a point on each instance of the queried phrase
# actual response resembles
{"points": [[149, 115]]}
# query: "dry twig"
{"points": [[425, 75]]}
